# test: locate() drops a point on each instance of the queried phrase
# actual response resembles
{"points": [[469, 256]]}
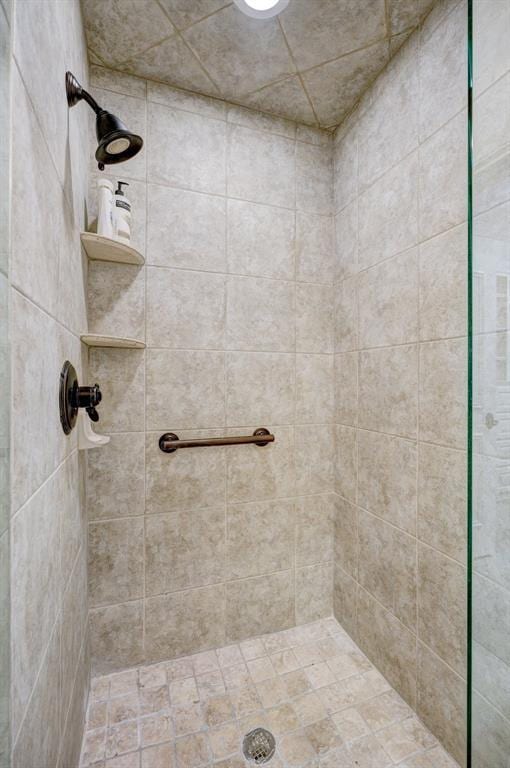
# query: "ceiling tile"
{"points": [[405, 14], [286, 98], [172, 62], [118, 29], [336, 87], [241, 54], [184, 13], [322, 30]]}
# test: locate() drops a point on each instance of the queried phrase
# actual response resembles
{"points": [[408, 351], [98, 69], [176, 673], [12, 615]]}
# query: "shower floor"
{"points": [[325, 703]]}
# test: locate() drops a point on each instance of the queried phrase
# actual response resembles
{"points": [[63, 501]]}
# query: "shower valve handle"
{"points": [[88, 398]]}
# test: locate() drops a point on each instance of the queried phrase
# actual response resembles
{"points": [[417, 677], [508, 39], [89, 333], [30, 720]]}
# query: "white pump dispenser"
{"points": [[122, 214], [105, 216]]}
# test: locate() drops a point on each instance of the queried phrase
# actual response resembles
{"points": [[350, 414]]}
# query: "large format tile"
{"points": [[185, 310], [388, 383], [116, 300], [185, 229], [314, 529], [314, 318], [116, 636], [116, 566], [443, 392], [184, 550], [115, 479], [200, 162], [314, 592], [258, 605], [120, 374], [257, 473], [260, 240], [260, 388], [260, 314], [314, 247], [346, 388], [185, 389], [261, 167], [314, 178], [314, 389]]}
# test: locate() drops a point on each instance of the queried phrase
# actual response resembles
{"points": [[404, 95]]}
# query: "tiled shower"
{"points": [[302, 267]]}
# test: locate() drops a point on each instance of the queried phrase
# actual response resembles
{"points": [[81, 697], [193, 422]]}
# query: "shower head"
{"points": [[114, 142]]}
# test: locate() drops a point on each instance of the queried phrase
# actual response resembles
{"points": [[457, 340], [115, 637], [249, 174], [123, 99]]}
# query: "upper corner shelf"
{"points": [[105, 249], [114, 342]]}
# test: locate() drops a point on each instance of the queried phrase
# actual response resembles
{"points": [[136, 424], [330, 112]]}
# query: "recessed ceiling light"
{"points": [[261, 9]]}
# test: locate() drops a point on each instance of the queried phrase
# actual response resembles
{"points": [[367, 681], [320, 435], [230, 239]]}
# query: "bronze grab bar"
{"points": [[169, 442]]}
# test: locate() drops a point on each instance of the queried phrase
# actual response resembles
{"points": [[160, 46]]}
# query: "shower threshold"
{"points": [[310, 686]]}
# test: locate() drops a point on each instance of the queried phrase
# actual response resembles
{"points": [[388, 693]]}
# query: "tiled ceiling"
{"points": [[310, 64]]}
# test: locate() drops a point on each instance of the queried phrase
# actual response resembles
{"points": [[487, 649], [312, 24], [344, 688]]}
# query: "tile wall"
{"points": [[189, 551], [50, 666], [400, 373]]}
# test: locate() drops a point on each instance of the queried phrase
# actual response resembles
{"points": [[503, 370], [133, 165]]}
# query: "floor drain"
{"points": [[259, 746]]}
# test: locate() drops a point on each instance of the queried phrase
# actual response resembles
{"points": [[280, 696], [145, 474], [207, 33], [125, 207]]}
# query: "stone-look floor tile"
{"points": [[218, 710], [150, 677], [99, 688], [282, 719], [403, 739], [368, 753], [297, 683], [123, 708], [184, 691], [178, 669], [384, 710], [210, 684], [261, 669], [309, 708], [122, 738], [245, 700], [224, 741], [155, 729], [229, 656], [284, 661], [154, 700], [236, 677], [93, 747], [161, 756], [187, 718], [323, 736], [350, 724], [96, 715], [320, 675], [131, 760], [272, 692], [252, 649], [192, 751], [278, 641], [296, 748]]}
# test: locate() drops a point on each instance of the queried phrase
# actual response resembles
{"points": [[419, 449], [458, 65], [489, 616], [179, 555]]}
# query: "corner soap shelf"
{"points": [[99, 248], [114, 342]]}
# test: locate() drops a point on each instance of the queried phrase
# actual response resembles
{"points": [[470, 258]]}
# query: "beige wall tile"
{"points": [[314, 459], [260, 538], [260, 605], [442, 499], [314, 389], [441, 701], [185, 229], [388, 644], [120, 374], [388, 382], [184, 622], [186, 100], [346, 242], [442, 585], [200, 162], [443, 85], [387, 478], [314, 248], [115, 561], [184, 550], [346, 388], [185, 389], [388, 302], [261, 167], [314, 592], [443, 392], [184, 479], [346, 462], [115, 478], [387, 567], [185, 310], [314, 318], [260, 388], [346, 315], [345, 590], [257, 473], [260, 314], [314, 178], [388, 214], [116, 637], [260, 240], [314, 529], [443, 289], [345, 155], [116, 300], [443, 178], [346, 537]]}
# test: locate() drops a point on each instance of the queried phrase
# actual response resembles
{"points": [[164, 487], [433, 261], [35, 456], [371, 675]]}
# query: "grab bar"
{"points": [[170, 442]]}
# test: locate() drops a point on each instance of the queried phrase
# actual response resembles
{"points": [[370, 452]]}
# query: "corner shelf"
{"points": [[100, 248], [114, 342]]}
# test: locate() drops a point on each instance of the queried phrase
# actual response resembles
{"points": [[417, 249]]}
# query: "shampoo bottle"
{"points": [[105, 220], [122, 214]]}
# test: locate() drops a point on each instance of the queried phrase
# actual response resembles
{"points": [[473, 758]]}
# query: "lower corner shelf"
{"points": [[114, 342]]}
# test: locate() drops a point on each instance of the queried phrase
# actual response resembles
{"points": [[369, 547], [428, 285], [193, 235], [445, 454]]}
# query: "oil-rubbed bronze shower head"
{"points": [[115, 142]]}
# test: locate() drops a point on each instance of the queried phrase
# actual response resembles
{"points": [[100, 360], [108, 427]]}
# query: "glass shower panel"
{"points": [[5, 55], [490, 385]]}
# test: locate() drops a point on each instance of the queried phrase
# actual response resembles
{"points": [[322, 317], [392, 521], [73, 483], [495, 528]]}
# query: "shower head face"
{"points": [[115, 143]]}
